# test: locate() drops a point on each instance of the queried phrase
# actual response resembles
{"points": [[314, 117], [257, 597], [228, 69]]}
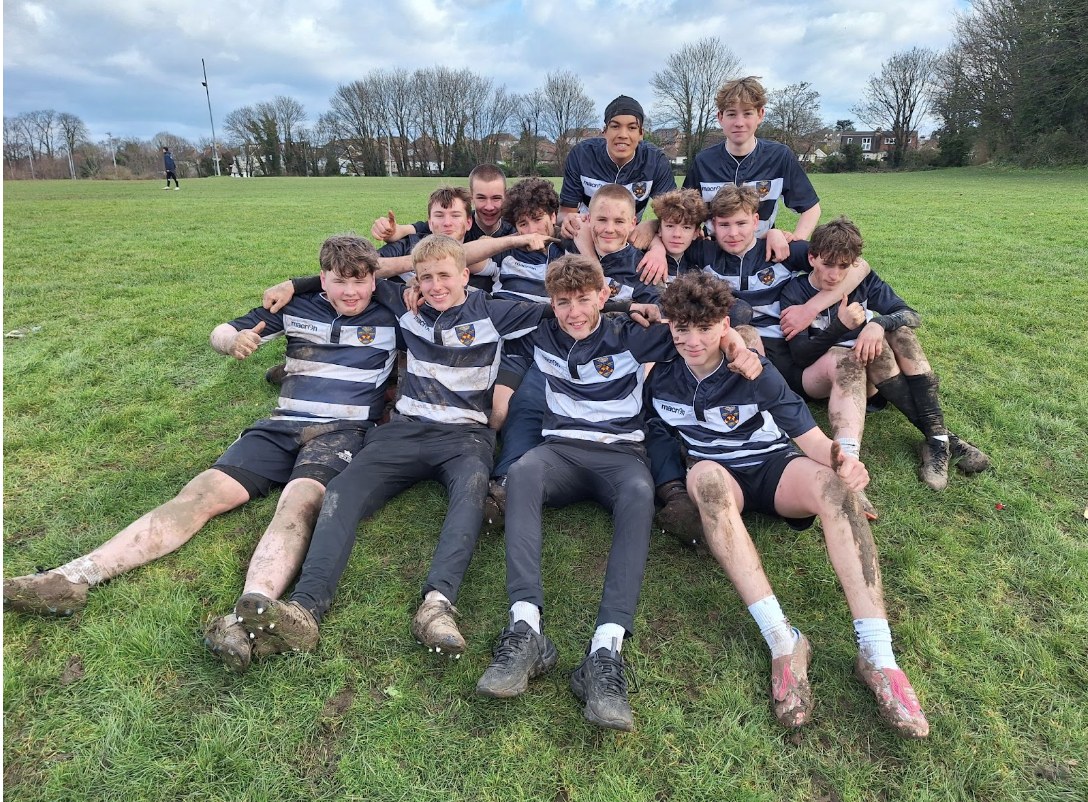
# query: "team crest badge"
{"points": [[466, 334], [366, 334], [613, 287], [604, 365], [638, 189], [763, 188], [730, 416], [766, 276]]}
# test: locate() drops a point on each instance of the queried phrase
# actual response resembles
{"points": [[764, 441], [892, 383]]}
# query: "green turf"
{"points": [[118, 400]]}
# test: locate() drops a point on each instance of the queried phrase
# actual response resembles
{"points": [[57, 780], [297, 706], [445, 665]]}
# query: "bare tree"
{"points": [[489, 116], [44, 123], [356, 116], [566, 109], [441, 97], [530, 112], [74, 133], [793, 116], [26, 128], [684, 89], [290, 114], [400, 105], [899, 97]]}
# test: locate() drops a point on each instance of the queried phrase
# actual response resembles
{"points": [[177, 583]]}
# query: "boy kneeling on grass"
{"points": [[340, 351], [738, 439], [594, 371], [846, 348]]}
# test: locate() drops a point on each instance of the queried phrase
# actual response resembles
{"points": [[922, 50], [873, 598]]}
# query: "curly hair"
{"points": [[683, 206], [837, 242], [348, 255], [528, 197], [573, 274], [696, 298]]}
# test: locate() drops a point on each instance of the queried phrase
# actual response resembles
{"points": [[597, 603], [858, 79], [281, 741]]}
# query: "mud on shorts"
{"points": [[778, 354], [758, 484], [273, 452]]}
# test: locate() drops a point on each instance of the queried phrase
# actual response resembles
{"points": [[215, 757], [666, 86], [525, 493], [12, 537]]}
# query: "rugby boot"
{"points": [[791, 694], [276, 626], [968, 459], [230, 642], [433, 625], [934, 468], [495, 505], [45, 593], [896, 701], [679, 516]]}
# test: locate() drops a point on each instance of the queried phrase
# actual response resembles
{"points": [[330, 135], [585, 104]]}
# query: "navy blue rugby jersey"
{"points": [[875, 296], [480, 281], [751, 277], [589, 167], [594, 387], [337, 367], [772, 168], [519, 274], [727, 418], [621, 273], [453, 356], [401, 247]]}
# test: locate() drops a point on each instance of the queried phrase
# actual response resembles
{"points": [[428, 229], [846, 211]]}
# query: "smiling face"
{"points": [[827, 275], [453, 220], [735, 233], [442, 282], [676, 237], [579, 312], [621, 136], [611, 222], [487, 199], [699, 344], [348, 295], [739, 124]]}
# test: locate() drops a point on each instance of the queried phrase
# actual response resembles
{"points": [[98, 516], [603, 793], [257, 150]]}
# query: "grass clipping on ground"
{"points": [[113, 400]]}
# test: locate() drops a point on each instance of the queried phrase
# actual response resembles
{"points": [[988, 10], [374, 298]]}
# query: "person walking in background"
{"points": [[170, 167]]}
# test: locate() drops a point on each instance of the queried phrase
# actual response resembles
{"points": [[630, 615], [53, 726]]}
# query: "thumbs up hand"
{"points": [[246, 342]]}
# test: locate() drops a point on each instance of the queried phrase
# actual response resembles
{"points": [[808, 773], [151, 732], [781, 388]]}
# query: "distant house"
{"points": [[874, 144]]}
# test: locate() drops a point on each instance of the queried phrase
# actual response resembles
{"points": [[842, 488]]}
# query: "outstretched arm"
{"points": [[797, 318], [228, 341]]}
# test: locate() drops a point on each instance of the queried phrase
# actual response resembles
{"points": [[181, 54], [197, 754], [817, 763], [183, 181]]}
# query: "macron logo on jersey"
{"points": [[305, 329], [591, 185], [669, 408]]}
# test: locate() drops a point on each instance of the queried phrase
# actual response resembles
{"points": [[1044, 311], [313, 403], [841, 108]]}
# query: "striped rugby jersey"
{"points": [[337, 367], [480, 281], [519, 274], [453, 356], [751, 277], [772, 168], [594, 386], [589, 167], [725, 417]]}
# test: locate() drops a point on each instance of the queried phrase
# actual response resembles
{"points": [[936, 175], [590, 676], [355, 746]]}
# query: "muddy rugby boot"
{"points": [[791, 694], [433, 625], [896, 701], [45, 593], [230, 642], [276, 626]]}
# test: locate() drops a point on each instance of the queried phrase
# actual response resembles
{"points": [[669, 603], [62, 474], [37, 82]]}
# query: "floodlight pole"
{"points": [[113, 151], [215, 148]]}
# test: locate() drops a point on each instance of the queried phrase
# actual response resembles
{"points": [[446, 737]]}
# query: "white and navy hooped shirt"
{"points": [[727, 418], [453, 356], [519, 274], [594, 387], [589, 167], [337, 367], [772, 168], [751, 277]]}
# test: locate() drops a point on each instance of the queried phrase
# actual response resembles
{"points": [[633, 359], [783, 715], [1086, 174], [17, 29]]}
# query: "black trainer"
{"points": [[601, 684], [521, 654]]}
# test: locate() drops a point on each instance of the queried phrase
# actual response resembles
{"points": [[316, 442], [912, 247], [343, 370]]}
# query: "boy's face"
{"points": [[611, 223], [676, 237], [442, 283], [827, 274], [348, 296], [537, 222], [739, 123], [736, 233], [579, 312], [453, 221], [621, 137], [699, 344], [487, 199]]}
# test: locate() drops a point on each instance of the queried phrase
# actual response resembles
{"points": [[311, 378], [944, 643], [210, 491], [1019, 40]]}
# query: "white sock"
{"points": [[608, 636], [875, 641], [527, 612], [81, 569], [434, 595], [850, 446], [774, 626]]}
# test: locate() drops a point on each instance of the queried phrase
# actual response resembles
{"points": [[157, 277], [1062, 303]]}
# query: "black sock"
{"points": [[898, 394], [930, 418]]}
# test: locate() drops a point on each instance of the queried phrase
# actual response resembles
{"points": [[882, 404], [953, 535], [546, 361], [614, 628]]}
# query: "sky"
{"points": [[132, 68]]}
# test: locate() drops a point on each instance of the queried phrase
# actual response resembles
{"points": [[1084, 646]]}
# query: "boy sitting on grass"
{"points": [[594, 369], [340, 350], [439, 431], [847, 344], [738, 437]]}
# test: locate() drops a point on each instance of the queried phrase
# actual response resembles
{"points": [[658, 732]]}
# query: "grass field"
{"points": [[117, 400]]}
